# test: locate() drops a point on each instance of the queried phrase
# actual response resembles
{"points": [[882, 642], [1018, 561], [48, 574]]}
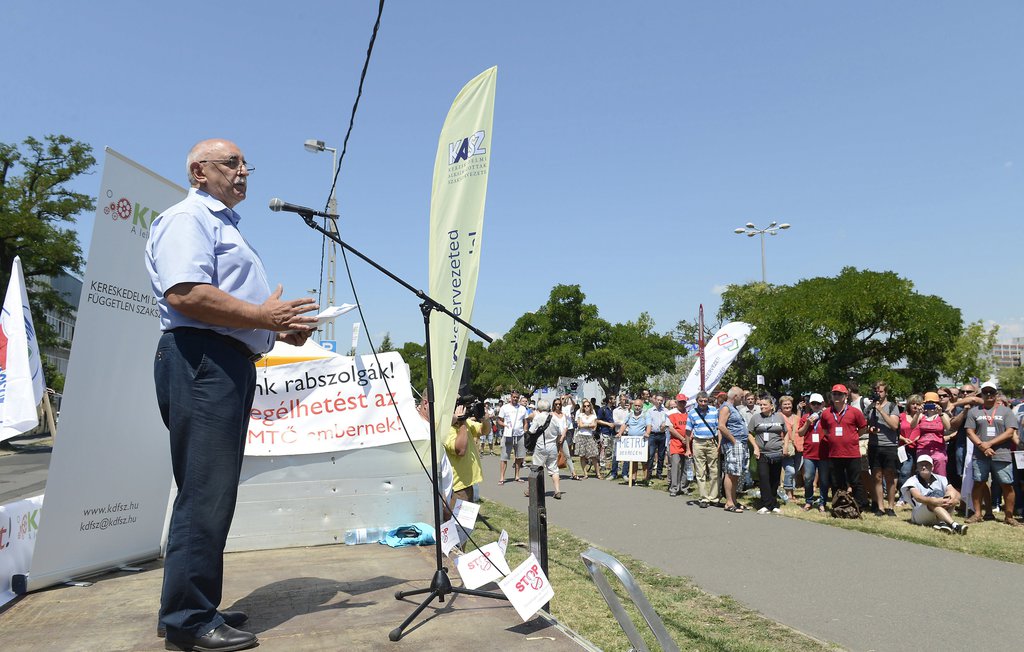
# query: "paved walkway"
{"points": [[861, 591]]}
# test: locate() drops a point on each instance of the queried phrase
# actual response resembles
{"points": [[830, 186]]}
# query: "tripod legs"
{"points": [[440, 586]]}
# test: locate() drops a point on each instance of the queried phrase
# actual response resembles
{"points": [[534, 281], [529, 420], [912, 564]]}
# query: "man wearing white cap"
{"points": [[990, 427], [815, 454], [933, 498]]}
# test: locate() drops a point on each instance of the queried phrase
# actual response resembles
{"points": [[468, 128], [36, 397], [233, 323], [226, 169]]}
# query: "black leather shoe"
{"points": [[231, 618], [222, 639]]}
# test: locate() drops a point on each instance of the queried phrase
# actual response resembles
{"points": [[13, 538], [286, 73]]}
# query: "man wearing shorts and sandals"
{"points": [[990, 427], [732, 428], [511, 420]]}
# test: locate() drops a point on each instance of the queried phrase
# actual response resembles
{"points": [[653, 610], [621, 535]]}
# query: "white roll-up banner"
{"points": [[110, 473]]}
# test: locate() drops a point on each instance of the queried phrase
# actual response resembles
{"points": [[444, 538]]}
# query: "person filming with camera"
{"points": [[469, 422]]}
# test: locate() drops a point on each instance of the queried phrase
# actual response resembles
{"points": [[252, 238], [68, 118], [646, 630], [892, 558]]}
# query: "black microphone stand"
{"points": [[440, 584]]}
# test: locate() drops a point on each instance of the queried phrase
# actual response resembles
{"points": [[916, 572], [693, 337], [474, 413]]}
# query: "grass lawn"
{"points": [[991, 539], [696, 620]]}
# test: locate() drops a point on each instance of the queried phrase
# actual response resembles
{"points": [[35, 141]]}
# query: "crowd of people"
{"points": [[871, 452]]}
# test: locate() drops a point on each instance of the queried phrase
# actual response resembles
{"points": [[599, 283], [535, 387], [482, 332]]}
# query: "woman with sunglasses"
{"points": [[908, 439], [586, 444], [933, 425]]}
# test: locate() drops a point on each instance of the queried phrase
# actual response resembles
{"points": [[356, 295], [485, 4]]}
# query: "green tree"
{"points": [[669, 382], [385, 344], [37, 206], [485, 379], [415, 356], [863, 325], [971, 353], [517, 355], [1011, 380], [566, 337], [632, 353]]}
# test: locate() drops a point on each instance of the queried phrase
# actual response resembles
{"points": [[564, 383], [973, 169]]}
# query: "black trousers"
{"points": [[846, 473], [205, 392], [769, 472]]}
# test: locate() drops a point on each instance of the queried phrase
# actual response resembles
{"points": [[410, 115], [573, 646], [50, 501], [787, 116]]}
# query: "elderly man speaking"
{"points": [[218, 316]]}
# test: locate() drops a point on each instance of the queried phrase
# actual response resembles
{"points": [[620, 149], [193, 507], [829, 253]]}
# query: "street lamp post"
{"points": [[316, 146], [750, 231]]}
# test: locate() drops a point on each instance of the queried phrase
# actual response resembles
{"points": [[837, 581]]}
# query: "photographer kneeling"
{"points": [[933, 498]]}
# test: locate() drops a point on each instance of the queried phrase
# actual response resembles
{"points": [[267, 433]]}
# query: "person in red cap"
{"points": [[842, 424], [677, 445]]}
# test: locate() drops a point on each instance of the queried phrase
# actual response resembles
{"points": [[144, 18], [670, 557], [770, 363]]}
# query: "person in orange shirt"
{"points": [[678, 447]]}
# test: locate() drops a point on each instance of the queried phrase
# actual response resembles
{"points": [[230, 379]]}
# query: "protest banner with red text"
{"points": [[334, 403]]}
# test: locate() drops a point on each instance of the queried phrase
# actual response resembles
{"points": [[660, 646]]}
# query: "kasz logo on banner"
{"points": [[466, 148]]}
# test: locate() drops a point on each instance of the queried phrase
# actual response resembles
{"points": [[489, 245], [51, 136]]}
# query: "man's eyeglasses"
{"points": [[988, 392], [231, 163]]}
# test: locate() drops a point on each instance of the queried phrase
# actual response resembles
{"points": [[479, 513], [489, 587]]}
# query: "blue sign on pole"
{"points": [[330, 345]]}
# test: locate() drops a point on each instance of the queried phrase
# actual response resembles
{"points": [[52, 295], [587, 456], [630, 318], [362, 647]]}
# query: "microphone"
{"points": [[276, 204]]}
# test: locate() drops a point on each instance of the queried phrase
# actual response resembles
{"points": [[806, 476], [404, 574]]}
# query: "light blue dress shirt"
{"points": [[636, 426], [197, 241]]}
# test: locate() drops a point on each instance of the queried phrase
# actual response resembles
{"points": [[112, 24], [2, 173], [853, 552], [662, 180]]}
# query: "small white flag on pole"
{"points": [[21, 370], [355, 335]]}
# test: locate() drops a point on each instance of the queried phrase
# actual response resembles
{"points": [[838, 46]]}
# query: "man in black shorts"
{"points": [[883, 418]]}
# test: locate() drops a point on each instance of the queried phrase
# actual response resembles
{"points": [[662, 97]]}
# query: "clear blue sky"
{"points": [[630, 139]]}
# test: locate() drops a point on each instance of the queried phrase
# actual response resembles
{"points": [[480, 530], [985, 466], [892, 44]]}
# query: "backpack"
{"points": [[844, 506], [533, 435]]}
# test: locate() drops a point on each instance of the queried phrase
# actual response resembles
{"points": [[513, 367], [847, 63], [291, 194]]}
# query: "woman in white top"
{"points": [[586, 444], [545, 453], [569, 411]]}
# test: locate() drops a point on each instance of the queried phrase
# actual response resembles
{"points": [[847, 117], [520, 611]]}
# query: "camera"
{"points": [[474, 407]]}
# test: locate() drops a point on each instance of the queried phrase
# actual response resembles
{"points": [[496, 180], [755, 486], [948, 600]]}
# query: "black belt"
{"points": [[226, 339]]}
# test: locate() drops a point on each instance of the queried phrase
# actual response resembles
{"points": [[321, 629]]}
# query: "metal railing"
{"points": [[595, 561]]}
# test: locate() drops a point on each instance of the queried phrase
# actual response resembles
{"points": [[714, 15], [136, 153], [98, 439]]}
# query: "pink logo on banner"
{"points": [[122, 208]]}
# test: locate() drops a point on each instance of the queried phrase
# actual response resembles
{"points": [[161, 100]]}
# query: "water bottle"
{"points": [[365, 535]]}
